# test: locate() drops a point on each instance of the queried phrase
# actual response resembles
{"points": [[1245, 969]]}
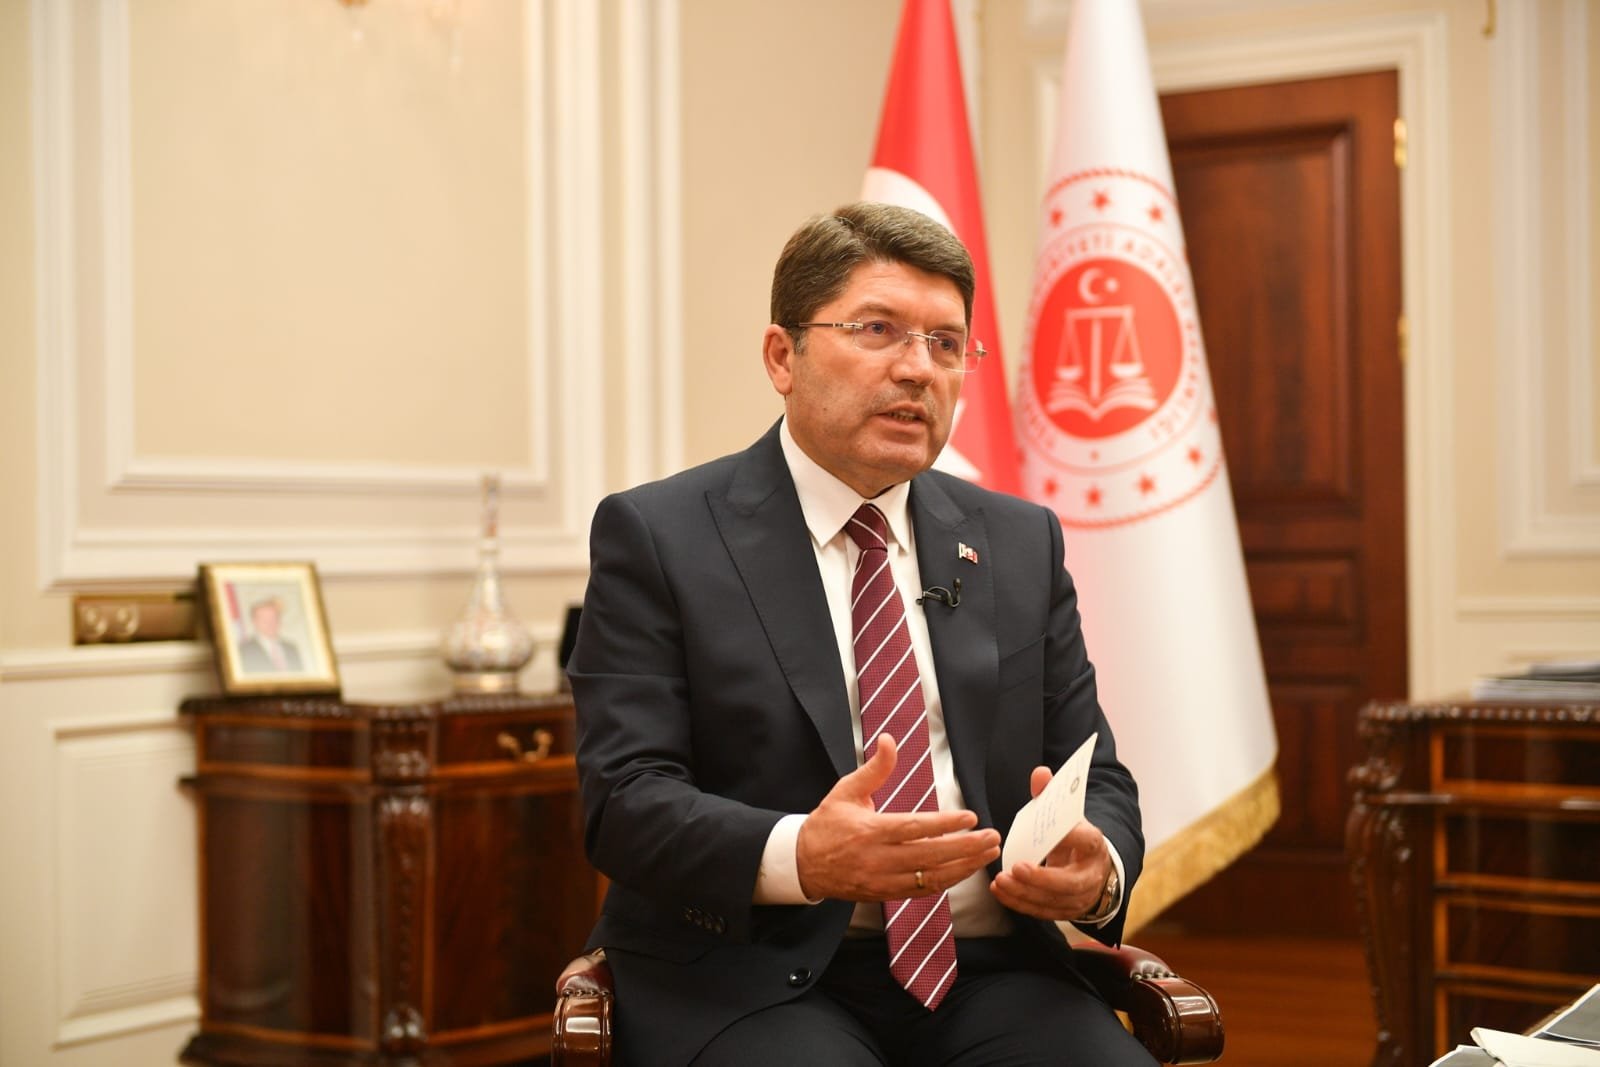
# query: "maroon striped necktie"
{"points": [[922, 948]]}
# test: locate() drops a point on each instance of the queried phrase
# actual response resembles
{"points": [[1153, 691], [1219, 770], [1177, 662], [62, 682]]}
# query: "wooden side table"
{"points": [[385, 884], [1474, 842]]}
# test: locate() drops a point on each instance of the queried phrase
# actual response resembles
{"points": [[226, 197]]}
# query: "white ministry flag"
{"points": [[1119, 436]]}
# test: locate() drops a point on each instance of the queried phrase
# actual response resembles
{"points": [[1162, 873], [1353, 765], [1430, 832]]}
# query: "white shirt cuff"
{"points": [[778, 880]]}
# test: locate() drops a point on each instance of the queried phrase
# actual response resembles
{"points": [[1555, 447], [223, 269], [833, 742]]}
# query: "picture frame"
{"points": [[269, 629]]}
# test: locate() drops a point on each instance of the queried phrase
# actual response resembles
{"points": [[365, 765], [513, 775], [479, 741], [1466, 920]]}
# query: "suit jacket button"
{"points": [[719, 926], [800, 976]]}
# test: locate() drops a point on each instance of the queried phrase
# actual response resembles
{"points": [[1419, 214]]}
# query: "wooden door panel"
{"points": [[1306, 591], [1276, 347], [1290, 201], [1316, 750]]}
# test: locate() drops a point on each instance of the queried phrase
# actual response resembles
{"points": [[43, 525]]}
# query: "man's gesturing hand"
{"points": [[847, 850], [1068, 883]]}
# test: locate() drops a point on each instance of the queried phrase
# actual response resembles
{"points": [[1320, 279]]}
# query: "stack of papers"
{"points": [[1514, 1050], [1573, 681], [1571, 1039], [1577, 1025]]}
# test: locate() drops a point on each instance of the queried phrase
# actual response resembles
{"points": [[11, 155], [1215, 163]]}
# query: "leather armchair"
{"points": [[1175, 1019]]}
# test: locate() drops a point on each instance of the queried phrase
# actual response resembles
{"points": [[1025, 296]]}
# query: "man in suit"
{"points": [[796, 767], [265, 651]]}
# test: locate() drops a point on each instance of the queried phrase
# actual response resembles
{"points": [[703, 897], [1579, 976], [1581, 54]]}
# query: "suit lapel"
{"points": [[765, 533], [966, 658]]}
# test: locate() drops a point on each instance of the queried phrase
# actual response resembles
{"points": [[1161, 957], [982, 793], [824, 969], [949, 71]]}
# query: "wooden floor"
{"points": [[1286, 1002]]}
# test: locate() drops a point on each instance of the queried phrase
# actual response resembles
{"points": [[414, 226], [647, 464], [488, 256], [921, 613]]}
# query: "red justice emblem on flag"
{"points": [[1117, 416]]}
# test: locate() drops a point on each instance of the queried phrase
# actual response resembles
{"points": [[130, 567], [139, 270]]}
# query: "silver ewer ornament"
{"points": [[486, 646]]}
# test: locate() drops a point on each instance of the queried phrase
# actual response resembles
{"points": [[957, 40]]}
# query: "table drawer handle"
{"points": [[542, 740]]}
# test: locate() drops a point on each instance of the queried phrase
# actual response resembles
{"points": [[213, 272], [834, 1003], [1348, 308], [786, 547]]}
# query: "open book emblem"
{"points": [[1099, 365]]}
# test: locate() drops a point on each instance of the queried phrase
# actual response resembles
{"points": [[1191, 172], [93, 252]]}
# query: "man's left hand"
{"points": [[1066, 886]]}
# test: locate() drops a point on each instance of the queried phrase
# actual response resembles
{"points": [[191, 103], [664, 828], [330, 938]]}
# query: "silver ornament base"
{"points": [[486, 681]]}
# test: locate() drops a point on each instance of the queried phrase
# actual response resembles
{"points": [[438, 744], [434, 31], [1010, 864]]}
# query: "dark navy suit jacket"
{"points": [[711, 702]]}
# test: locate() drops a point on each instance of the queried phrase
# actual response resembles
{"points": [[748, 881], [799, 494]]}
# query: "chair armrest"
{"points": [[1176, 1020], [582, 1025]]}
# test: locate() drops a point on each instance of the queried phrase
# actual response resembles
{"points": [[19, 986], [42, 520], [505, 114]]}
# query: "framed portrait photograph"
{"points": [[269, 628]]}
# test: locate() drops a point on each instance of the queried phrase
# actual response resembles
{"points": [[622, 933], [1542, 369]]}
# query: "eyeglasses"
{"points": [[948, 350]]}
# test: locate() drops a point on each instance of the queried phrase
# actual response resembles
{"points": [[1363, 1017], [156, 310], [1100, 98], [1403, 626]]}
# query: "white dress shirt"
{"points": [[828, 504]]}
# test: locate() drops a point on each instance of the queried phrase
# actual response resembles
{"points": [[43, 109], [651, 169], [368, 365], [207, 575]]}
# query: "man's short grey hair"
{"points": [[816, 264]]}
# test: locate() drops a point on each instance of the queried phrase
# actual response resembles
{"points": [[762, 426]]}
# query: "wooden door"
{"points": [[1290, 200]]}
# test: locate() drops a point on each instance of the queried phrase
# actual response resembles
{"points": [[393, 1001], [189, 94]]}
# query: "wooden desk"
{"points": [[1474, 843], [385, 884]]}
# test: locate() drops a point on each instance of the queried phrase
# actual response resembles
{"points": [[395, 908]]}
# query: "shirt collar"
{"points": [[828, 503]]}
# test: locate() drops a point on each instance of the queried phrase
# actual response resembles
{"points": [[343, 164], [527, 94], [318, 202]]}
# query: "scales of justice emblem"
{"points": [[1099, 366], [1116, 406]]}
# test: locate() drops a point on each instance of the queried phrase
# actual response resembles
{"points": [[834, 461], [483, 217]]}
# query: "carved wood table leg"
{"points": [[1384, 863]]}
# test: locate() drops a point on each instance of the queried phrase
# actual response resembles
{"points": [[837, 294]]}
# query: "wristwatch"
{"points": [[1106, 903]]}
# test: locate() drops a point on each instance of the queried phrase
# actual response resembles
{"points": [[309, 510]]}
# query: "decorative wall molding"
{"points": [[568, 312], [382, 666], [1528, 361], [1052, 16], [1521, 658], [651, 176], [126, 961], [576, 164], [96, 558], [1415, 45], [55, 271], [1531, 609], [1409, 43], [126, 469], [149, 1005], [188, 657], [1584, 421], [103, 661], [968, 19]]}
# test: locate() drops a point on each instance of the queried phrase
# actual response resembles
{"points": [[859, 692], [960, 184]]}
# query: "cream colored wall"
{"points": [[1592, 48], [17, 403], [555, 260], [780, 115], [347, 242]]}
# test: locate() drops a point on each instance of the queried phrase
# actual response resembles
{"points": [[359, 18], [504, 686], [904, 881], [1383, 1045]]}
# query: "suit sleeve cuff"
{"points": [[778, 880]]}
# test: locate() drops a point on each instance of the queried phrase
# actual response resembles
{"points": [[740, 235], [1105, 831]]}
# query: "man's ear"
{"points": [[778, 355]]}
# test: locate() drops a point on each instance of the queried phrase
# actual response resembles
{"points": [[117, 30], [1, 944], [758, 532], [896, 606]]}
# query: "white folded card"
{"points": [[1047, 818], [1514, 1050]]}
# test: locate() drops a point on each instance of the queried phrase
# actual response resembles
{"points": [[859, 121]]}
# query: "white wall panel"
{"points": [[125, 875], [108, 512], [1549, 501], [98, 885]]}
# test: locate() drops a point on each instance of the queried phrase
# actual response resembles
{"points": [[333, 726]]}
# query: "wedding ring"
{"points": [[919, 880]]}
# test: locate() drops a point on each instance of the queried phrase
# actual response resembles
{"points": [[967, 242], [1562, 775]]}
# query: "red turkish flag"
{"points": [[924, 161]]}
